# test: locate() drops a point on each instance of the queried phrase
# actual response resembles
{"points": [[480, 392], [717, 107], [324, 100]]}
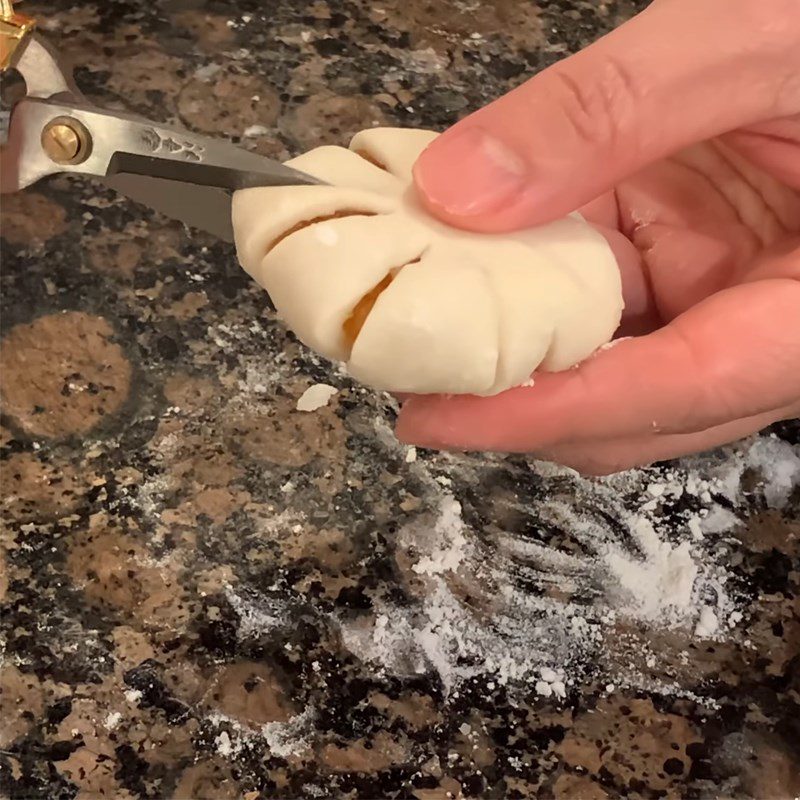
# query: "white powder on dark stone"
{"points": [[550, 619], [707, 623], [779, 463], [287, 738], [283, 739]]}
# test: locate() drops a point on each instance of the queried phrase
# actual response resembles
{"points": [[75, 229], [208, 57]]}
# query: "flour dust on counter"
{"points": [[598, 580]]}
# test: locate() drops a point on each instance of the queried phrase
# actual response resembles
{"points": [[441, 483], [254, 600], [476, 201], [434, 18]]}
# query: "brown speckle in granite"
{"points": [[38, 489], [210, 31], [273, 431], [441, 25], [249, 693], [331, 549], [418, 711], [775, 635], [377, 753], [29, 218], [91, 765], [770, 531], [63, 374], [118, 253], [208, 780], [148, 70], [189, 391], [474, 744], [228, 104], [114, 571], [630, 740], [131, 647], [3, 575], [769, 770], [218, 504], [122, 255], [308, 78], [21, 702], [327, 117], [448, 789], [188, 306], [93, 773], [577, 787]]}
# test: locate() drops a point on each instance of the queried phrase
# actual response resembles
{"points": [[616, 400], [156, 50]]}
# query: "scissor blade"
{"points": [[139, 147], [204, 207], [187, 177], [226, 175]]}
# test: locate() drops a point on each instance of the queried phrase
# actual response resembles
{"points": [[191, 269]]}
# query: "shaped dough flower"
{"points": [[363, 274]]}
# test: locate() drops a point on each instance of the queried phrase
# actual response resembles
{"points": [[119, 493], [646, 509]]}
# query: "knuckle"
{"points": [[599, 108], [578, 106]]}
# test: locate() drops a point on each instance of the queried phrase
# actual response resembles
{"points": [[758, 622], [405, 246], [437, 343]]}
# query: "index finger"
{"points": [[680, 72]]}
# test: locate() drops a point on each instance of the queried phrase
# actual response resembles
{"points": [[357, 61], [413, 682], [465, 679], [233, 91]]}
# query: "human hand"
{"points": [[678, 136]]}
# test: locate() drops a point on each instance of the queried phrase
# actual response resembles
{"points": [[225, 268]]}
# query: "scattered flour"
{"points": [[779, 463], [224, 745], [257, 616], [707, 624], [551, 613], [657, 587], [286, 738], [316, 396], [577, 588], [282, 739], [255, 130], [450, 545], [112, 720], [133, 696]]}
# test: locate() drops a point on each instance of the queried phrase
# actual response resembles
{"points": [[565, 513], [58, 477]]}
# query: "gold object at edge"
{"points": [[13, 30]]}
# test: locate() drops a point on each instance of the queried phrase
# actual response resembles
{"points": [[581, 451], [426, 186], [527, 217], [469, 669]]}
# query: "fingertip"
{"points": [[469, 174], [419, 422], [640, 314]]}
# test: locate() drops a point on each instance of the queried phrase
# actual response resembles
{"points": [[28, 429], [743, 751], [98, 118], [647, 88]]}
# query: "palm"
{"points": [[691, 225]]}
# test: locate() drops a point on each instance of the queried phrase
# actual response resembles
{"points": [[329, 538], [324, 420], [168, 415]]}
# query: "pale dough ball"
{"points": [[363, 274]]}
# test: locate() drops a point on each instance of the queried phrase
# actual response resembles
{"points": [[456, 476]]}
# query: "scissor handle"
{"points": [[14, 29]]}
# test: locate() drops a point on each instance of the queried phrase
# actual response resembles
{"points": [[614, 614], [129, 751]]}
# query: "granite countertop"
{"points": [[209, 594]]}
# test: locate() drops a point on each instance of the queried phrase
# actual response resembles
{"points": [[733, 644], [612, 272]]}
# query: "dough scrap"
{"points": [[363, 274]]}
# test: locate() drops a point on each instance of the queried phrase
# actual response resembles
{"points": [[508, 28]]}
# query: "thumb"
{"points": [[680, 72]]}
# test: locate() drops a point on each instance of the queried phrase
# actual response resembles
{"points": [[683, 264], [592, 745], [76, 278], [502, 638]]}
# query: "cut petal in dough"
{"points": [[347, 264], [261, 233], [364, 275], [413, 319], [394, 153], [345, 168]]}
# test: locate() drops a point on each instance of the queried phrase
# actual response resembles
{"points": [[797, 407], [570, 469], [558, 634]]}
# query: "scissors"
{"points": [[54, 129]]}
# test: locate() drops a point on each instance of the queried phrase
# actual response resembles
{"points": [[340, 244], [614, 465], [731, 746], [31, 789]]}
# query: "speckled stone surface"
{"points": [[182, 549]]}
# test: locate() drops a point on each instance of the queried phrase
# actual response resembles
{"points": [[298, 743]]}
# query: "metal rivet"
{"points": [[66, 141]]}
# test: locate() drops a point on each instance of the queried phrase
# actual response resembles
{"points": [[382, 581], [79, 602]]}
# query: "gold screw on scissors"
{"points": [[64, 139]]}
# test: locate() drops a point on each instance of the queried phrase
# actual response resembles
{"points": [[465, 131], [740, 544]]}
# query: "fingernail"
{"points": [[470, 172]]}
